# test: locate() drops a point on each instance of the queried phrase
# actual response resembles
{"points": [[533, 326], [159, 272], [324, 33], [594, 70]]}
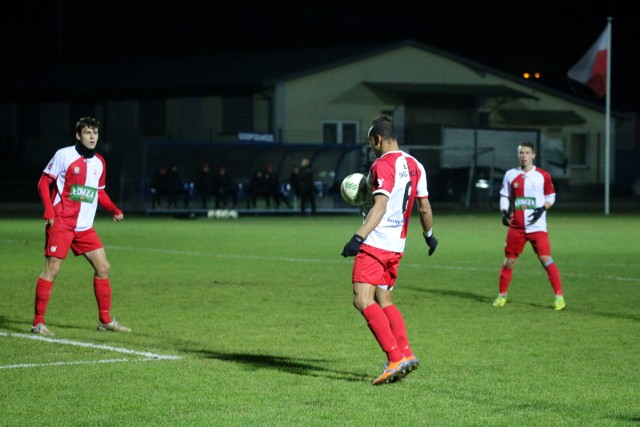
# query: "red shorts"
{"points": [[517, 238], [59, 239], [376, 266]]}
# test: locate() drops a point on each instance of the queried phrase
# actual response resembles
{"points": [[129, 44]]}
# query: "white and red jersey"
{"points": [[402, 178], [77, 182], [527, 191]]}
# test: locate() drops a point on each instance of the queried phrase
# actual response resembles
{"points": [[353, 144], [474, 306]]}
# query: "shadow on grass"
{"points": [[14, 325], [487, 300], [450, 293], [291, 365], [631, 418], [24, 326]]}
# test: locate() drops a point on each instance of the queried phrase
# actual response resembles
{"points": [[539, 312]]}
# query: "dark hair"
{"points": [[528, 144], [89, 122], [383, 126]]}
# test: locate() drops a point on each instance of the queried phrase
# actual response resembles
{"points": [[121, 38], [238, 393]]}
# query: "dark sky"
{"points": [[543, 36]]}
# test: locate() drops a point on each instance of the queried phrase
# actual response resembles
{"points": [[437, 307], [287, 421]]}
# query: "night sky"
{"points": [[521, 36]]}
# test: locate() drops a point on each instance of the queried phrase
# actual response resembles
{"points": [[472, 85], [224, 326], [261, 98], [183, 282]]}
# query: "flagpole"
{"points": [[607, 126]]}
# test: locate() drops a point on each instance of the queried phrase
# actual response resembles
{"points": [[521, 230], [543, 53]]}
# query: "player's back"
{"points": [[402, 178]]}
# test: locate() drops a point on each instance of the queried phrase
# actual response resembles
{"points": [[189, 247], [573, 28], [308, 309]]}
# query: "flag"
{"points": [[591, 69]]}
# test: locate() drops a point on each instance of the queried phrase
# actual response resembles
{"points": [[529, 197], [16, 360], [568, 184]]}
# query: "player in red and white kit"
{"points": [[526, 195], [396, 180], [71, 187]]}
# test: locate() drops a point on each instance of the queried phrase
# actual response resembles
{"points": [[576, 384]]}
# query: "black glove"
{"points": [[506, 218], [353, 246], [537, 213], [432, 242]]}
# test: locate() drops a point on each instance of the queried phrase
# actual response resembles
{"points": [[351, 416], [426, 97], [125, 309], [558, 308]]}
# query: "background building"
{"points": [[461, 118]]}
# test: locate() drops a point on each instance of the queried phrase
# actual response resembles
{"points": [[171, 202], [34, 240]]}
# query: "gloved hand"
{"points": [[506, 218], [537, 213], [432, 242], [353, 246]]}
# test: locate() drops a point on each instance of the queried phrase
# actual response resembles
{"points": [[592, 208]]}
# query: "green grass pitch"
{"points": [[249, 322]]}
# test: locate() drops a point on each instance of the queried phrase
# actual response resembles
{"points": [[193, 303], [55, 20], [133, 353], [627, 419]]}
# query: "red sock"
{"points": [[554, 277], [505, 279], [43, 293], [379, 325], [398, 329], [102, 291]]}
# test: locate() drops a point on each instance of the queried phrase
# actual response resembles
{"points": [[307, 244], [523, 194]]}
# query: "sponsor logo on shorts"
{"points": [[53, 248], [82, 193]]}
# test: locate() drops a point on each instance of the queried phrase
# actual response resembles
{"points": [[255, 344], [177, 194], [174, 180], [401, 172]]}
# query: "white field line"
{"points": [[144, 355], [464, 266]]}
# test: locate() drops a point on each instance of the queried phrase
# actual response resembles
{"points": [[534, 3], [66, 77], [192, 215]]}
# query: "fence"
{"points": [[465, 184], [330, 164]]}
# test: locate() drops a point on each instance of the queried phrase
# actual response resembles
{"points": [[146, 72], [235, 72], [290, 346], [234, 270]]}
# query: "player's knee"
{"points": [[49, 275], [51, 268], [360, 302], [102, 270], [509, 263]]}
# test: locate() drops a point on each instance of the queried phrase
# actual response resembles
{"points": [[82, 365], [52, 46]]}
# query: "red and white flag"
{"points": [[591, 69]]}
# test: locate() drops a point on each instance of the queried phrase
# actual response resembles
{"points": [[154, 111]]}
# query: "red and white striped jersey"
{"points": [[527, 191], [77, 181], [403, 179]]}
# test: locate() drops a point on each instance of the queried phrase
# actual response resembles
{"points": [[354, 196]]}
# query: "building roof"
{"points": [[227, 73], [237, 74], [501, 91], [542, 117]]}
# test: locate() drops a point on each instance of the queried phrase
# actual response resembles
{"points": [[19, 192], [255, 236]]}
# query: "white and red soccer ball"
{"points": [[354, 189]]}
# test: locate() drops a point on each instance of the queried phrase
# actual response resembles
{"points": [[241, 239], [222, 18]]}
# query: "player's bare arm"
{"points": [[426, 220], [374, 216], [426, 215]]}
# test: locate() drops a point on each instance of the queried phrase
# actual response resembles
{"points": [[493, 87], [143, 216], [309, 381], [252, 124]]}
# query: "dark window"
{"points": [[349, 133], [579, 150], [329, 133], [340, 132]]}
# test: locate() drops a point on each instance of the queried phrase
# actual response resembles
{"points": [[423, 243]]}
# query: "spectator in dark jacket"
{"points": [[257, 188], [205, 184], [306, 187], [273, 188], [159, 187], [224, 191]]}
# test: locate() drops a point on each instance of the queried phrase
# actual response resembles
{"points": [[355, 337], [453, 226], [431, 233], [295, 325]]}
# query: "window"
{"points": [[340, 132], [329, 133], [152, 117], [237, 115], [578, 150]]}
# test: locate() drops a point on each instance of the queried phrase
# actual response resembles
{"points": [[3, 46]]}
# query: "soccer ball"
{"points": [[354, 189]]}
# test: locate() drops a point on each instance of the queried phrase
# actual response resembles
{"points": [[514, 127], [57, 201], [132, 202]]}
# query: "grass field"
{"points": [[249, 322]]}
